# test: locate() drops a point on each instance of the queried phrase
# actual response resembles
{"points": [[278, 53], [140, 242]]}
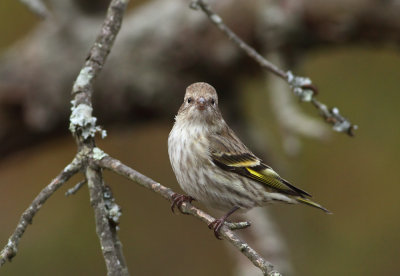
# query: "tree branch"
{"points": [[10, 250], [302, 87], [116, 166], [76, 188], [83, 127], [83, 86], [103, 226]]}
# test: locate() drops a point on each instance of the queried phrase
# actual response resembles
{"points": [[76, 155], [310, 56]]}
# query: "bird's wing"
{"points": [[230, 154]]}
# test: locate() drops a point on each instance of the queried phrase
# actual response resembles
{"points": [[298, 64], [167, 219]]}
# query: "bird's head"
{"points": [[200, 103]]}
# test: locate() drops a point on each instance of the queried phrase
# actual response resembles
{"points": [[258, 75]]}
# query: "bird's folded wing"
{"points": [[241, 161]]}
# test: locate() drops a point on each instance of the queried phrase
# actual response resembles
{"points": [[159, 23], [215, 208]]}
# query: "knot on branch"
{"points": [[98, 154], [302, 87], [333, 116], [305, 90], [114, 211], [9, 252], [340, 123], [82, 122]]}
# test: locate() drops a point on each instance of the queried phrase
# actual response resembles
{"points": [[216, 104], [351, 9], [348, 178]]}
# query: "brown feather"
{"points": [[230, 154]]}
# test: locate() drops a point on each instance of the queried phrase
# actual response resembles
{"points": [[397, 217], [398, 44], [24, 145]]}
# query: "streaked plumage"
{"points": [[213, 166]]}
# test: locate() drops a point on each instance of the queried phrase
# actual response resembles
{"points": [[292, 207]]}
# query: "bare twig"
{"points": [[238, 225], [217, 20], [116, 166], [83, 87], [37, 7], [10, 250], [302, 87], [76, 188]]}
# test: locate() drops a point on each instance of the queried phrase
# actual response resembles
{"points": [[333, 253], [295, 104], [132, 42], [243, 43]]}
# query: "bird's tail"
{"points": [[312, 203]]}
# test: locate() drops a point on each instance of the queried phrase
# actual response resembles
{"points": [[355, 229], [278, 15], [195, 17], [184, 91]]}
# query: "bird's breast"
{"points": [[187, 144]]}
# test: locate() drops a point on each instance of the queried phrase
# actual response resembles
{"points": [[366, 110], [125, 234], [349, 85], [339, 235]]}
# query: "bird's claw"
{"points": [[216, 226], [178, 200]]}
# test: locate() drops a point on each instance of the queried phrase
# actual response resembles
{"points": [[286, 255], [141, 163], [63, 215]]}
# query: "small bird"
{"points": [[214, 167]]}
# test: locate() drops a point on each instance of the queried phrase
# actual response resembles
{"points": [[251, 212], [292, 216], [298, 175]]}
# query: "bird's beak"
{"points": [[201, 103]]}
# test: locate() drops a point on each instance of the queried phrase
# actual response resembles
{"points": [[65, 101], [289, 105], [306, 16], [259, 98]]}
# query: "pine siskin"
{"points": [[214, 167]]}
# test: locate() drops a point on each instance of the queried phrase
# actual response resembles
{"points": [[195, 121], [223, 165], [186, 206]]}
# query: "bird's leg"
{"points": [[218, 223], [178, 200]]}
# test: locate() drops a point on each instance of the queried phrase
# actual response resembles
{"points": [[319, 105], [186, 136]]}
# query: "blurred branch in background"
{"points": [[269, 243], [158, 57], [292, 121], [37, 7]]}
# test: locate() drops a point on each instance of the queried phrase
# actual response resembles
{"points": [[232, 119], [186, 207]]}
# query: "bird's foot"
{"points": [[178, 200], [218, 223], [216, 226]]}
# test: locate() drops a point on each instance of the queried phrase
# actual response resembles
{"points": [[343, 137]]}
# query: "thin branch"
{"points": [[10, 250], [238, 225], [116, 166], [217, 20], [83, 86], [76, 188], [302, 87], [37, 7]]}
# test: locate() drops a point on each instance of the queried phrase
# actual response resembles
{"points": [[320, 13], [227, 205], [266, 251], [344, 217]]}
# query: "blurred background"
{"points": [[348, 48]]}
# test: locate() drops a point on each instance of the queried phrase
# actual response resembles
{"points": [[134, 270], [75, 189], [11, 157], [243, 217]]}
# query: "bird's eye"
{"points": [[212, 101], [189, 100]]}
